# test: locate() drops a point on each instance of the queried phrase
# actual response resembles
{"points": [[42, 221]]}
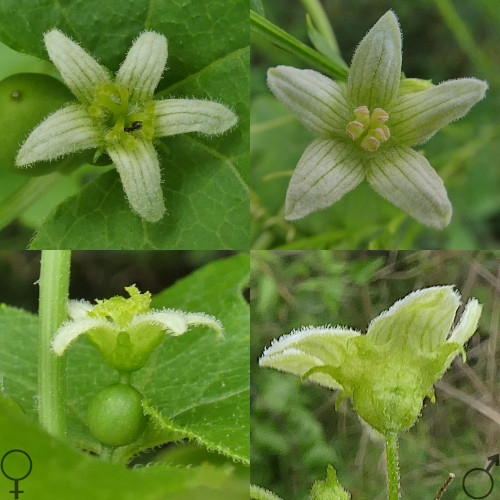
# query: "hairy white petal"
{"points": [[203, 319], [375, 71], [327, 170], [141, 178], [322, 342], [78, 309], [420, 320], [141, 71], [178, 116], [316, 100], [66, 131], [80, 71], [70, 330], [297, 362], [169, 319], [405, 178], [416, 117], [467, 324]]}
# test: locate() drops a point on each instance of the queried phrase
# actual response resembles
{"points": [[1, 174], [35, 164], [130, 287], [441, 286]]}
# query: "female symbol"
{"points": [[16, 480]]}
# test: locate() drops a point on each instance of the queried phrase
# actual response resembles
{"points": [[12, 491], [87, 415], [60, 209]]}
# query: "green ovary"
{"points": [[369, 130], [112, 107]]}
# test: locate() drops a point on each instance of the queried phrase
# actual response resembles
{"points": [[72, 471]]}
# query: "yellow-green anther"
{"points": [[370, 128], [370, 143], [354, 129], [362, 114]]}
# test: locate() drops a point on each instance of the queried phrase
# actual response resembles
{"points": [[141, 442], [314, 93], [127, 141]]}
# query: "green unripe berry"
{"points": [[115, 416], [25, 100]]}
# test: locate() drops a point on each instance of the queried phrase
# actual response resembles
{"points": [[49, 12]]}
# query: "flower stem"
{"points": [[270, 32], [54, 285], [391, 451]]}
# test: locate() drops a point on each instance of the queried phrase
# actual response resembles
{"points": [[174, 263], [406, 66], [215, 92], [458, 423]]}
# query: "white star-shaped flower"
{"points": [[367, 129], [118, 115]]}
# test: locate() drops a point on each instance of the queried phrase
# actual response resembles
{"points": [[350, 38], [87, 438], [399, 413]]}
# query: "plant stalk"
{"points": [[391, 451], [270, 32], [54, 286]]}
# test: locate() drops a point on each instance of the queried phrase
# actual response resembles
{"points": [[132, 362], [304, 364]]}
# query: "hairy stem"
{"points": [[54, 285], [391, 451]]}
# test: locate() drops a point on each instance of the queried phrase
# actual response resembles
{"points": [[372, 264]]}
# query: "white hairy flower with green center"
{"points": [[126, 330], [367, 128], [118, 115], [390, 370]]}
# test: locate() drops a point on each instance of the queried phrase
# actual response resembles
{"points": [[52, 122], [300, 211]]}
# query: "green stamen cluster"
{"points": [[111, 104], [370, 129]]}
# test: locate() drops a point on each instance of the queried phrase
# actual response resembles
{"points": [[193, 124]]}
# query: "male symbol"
{"points": [[16, 480]]}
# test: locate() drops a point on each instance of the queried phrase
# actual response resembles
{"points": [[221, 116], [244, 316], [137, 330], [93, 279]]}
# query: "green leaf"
{"points": [[87, 477], [195, 386], [205, 178]]}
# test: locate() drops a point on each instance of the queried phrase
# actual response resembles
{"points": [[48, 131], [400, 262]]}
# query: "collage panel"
{"points": [[374, 375], [374, 124], [124, 125], [135, 387]]}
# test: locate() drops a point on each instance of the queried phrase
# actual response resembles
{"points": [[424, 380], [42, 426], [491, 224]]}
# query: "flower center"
{"points": [[369, 130], [112, 107]]}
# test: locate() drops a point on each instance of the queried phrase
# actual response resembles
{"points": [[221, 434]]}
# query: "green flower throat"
{"points": [[124, 119]]}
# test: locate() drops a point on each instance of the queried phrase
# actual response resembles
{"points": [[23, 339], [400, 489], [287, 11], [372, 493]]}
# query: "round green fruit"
{"points": [[25, 100], [115, 416]]}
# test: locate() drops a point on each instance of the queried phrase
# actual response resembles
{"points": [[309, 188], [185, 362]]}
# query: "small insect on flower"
{"points": [[137, 125]]}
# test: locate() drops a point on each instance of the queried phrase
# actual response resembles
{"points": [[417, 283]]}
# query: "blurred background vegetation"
{"points": [[442, 39], [296, 431]]}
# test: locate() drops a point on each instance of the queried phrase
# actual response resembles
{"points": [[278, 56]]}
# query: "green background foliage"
{"points": [[196, 388], [205, 178], [437, 45], [295, 430]]}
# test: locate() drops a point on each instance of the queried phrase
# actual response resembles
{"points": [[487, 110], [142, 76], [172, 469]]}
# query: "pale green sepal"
{"points": [[317, 101], [298, 363], [78, 309], [420, 321], [413, 85], [80, 71], [328, 169], [71, 330], [179, 116], [68, 130], [375, 71], [416, 117], [330, 489], [142, 68], [140, 175], [406, 179]]}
